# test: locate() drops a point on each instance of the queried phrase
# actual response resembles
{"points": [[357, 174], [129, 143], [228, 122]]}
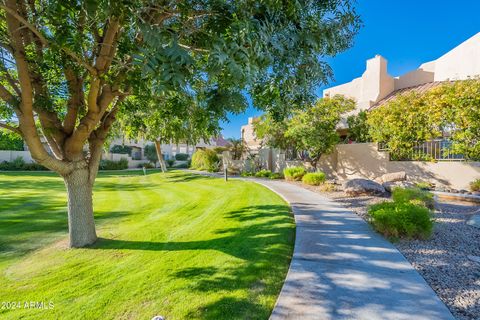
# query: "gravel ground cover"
{"points": [[445, 260]]}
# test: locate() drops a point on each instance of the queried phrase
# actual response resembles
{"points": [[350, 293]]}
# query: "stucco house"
{"points": [[376, 86]]}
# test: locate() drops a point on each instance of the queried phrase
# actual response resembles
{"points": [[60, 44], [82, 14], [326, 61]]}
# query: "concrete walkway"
{"points": [[342, 269]]}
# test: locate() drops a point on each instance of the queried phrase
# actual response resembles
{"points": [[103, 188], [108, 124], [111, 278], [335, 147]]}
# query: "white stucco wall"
{"points": [[460, 63]]}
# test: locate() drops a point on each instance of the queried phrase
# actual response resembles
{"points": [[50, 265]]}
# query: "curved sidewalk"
{"points": [[342, 269]]}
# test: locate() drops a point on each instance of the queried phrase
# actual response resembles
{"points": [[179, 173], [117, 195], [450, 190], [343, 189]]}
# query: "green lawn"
{"points": [[176, 244]]}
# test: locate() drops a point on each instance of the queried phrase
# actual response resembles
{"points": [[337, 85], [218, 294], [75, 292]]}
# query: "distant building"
{"points": [[169, 150], [248, 135]]}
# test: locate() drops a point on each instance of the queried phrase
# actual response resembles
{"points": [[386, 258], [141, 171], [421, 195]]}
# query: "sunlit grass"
{"points": [[177, 245]]}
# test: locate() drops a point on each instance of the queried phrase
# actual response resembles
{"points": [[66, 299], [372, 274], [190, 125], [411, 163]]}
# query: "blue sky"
{"points": [[407, 33]]}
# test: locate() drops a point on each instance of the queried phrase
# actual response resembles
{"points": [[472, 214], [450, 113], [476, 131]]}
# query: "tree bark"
{"points": [[161, 161], [81, 225]]}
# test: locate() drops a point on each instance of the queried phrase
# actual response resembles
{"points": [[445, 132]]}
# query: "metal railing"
{"points": [[433, 150]]}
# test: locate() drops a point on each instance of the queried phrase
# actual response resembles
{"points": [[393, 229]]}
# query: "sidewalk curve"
{"points": [[342, 269]]}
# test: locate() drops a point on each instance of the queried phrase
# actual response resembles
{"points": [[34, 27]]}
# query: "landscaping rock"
{"points": [[389, 186], [394, 176], [356, 187]]}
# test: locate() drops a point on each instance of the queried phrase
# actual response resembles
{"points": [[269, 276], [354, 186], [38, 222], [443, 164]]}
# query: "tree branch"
{"points": [[75, 102], [11, 128], [12, 82], [6, 95], [44, 40], [108, 46]]}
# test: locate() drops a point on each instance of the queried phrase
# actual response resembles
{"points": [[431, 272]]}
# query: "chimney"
{"points": [[377, 83]]}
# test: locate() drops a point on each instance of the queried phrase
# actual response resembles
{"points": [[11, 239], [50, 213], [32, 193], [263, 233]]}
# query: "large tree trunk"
{"points": [[81, 225], [161, 161]]}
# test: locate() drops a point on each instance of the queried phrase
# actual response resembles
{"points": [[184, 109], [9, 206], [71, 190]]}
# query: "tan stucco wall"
{"points": [[363, 160], [424, 74], [375, 84]]}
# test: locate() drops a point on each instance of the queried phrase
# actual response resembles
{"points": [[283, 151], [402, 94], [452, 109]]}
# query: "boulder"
{"points": [[394, 176], [356, 187], [390, 185]]}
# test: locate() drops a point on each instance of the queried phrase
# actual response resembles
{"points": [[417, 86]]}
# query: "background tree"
{"points": [[71, 64], [237, 148], [272, 132], [10, 141], [358, 129], [151, 154], [449, 110], [456, 107], [315, 129], [171, 118], [404, 122]]}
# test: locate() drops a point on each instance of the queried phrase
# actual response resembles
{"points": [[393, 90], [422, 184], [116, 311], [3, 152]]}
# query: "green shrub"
{"points": [[414, 196], [121, 149], [205, 160], [263, 173], [475, 185], [275, 176], [34, 167], [170, 162], [314, 178], [181, 157], [294, 173], [401, 220], [18, 164], [247, 174], [424, 185], [121, 164]]}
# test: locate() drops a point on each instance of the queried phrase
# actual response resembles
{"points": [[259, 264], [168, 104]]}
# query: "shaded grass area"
{"points": [[179, 245]]}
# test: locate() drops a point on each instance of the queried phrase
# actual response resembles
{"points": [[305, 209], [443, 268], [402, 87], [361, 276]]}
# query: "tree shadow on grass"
{"points": [[264, 247], [185, 177]]}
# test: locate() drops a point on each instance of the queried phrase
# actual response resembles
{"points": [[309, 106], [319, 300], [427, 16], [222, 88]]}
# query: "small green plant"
{"points": [[170, 162], [294, 173], [205, 160], [424, 185], [18, 163], [247, 174], [314, 178], [414, 196], [275, 176], [401, 220], [263, 173], [475, 185]]}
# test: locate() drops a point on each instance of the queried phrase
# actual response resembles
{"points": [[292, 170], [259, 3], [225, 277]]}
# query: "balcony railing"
{"points": [[433, 150]]}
